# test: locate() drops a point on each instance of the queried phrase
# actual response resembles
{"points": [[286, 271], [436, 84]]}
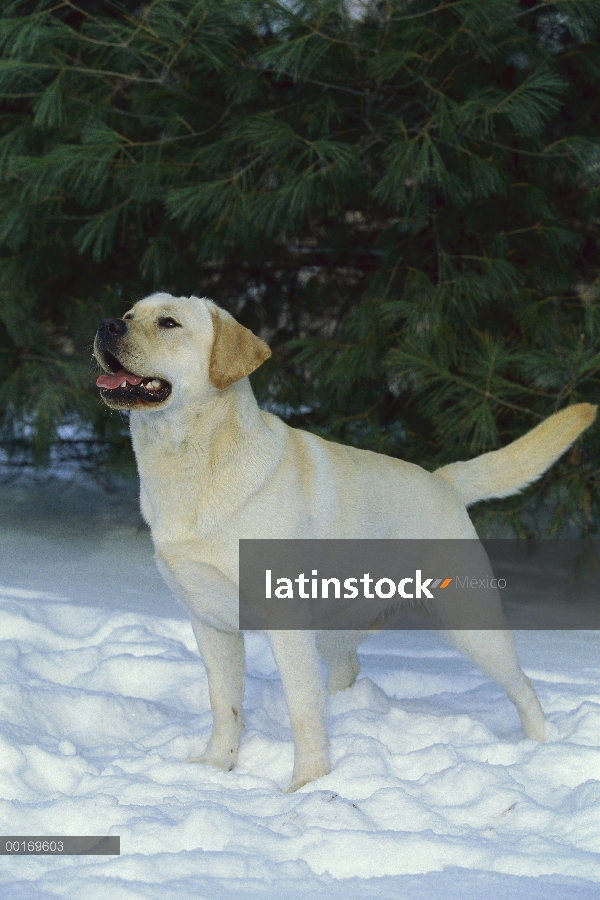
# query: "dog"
{"points": [[215, 468]]}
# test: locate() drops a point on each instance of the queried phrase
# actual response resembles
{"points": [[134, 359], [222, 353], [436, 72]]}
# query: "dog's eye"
{"points": [[168, 322]]}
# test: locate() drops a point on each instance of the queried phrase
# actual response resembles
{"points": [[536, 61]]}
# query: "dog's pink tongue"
{"points": [[114, 381]]}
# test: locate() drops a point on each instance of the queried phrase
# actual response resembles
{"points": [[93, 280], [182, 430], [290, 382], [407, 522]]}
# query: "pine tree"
{"points": [[400, 196]]}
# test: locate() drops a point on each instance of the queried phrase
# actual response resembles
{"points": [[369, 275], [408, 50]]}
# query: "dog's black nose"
{"points": [[113, 326]]}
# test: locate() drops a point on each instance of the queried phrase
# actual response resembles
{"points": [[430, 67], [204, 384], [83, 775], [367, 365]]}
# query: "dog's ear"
{"points": [[236, 351]]}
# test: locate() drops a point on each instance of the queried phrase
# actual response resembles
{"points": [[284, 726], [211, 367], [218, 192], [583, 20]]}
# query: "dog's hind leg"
{"points": [[491, 645], [223, 656], [494, 653]]}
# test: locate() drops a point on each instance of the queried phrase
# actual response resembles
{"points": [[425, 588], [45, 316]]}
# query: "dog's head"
{"points": [[167, 349]]}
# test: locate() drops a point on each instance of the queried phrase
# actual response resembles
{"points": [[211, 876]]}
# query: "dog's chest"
{"points": [[168, 516], [175, 506], [183, 502]]}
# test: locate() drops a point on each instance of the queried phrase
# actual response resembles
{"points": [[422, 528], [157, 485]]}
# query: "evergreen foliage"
{"points": [[400, 196]]}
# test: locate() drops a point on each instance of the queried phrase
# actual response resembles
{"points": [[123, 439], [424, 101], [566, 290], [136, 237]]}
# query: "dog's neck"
{"points": [[221, 451], [172, 426]]}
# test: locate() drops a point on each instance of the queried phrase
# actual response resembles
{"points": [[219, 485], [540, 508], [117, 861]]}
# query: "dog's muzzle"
{"points": [[120, 388]]}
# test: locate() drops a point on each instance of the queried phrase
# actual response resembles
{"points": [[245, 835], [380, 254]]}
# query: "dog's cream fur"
{"points": [[214, 468]]}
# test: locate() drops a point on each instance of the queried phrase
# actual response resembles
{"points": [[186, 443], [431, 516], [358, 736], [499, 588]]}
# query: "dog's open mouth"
{"points": [[127, 388]]}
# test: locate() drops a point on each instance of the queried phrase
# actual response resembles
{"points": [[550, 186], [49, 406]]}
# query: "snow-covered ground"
{"points": [[434, 792]]}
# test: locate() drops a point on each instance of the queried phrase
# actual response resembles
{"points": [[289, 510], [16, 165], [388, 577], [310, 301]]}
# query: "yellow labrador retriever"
{"points": [[215, 468]]}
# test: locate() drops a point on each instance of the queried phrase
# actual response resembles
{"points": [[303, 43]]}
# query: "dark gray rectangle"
{"points": [[60, 845], [400, 584]]}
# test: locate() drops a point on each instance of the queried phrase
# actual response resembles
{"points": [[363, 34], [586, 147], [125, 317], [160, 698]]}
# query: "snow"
{"points": [[103, 697]]}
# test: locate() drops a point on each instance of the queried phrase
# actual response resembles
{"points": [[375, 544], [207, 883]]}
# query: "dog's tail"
{"points": [[509, 470]]}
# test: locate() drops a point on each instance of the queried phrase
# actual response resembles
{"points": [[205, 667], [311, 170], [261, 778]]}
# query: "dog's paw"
{"points": [[341, 675], [225, 761], [531, 714], [534, 727], [305, 777]]}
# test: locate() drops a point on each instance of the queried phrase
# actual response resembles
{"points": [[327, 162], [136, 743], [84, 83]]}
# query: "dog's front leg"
{"points": [[223, 656], [295, 653]]}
